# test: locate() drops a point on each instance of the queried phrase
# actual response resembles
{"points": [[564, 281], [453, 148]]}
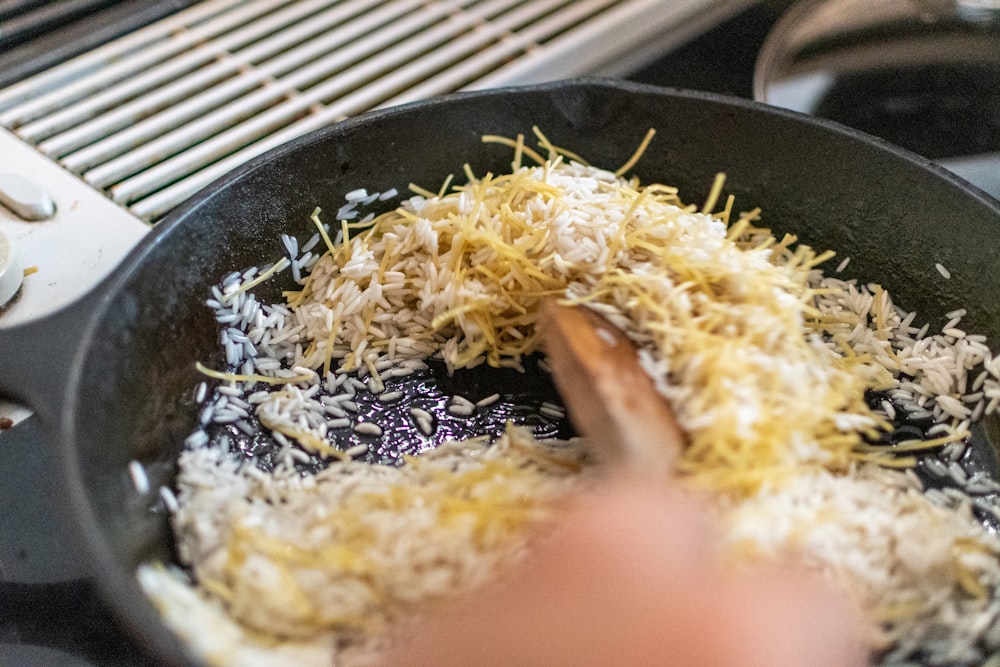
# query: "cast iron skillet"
{"points": [[111, 376]]}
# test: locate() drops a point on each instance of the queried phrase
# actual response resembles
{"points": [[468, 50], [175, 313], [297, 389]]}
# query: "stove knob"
{"points": [[25, 199], [11, 272]]}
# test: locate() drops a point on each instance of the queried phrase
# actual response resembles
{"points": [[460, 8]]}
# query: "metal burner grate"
{"points": [[152, 117]]}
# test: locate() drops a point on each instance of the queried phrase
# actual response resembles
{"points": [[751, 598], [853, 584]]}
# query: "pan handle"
{"points": [[36, 358]]}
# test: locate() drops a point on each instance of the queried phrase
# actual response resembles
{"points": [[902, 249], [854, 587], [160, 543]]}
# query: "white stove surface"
{"points": [[66, 255]]}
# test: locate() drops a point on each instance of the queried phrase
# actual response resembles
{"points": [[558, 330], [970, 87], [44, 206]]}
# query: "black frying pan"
{"points": [[111, 376]]}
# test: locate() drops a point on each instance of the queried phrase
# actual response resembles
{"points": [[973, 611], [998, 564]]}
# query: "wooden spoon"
{"points": [[609, 396]]}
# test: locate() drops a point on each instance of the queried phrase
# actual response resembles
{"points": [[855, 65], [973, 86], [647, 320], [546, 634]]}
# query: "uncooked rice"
{"points": [[769, 365], [139, 478]]}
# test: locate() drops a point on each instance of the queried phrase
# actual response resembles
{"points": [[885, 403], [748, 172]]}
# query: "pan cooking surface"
{"points": [[499, 396]]}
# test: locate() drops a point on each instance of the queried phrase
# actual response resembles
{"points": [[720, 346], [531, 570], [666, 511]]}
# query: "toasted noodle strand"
{"points": [[637, 155], [239, 377]]}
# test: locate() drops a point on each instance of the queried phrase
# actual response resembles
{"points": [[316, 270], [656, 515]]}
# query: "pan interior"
{"points": [[896, 217]]}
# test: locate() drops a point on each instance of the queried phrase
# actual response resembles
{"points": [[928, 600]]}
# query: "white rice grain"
{"points": [[139, 479], [487, 401], [169, 500], [356, 450], [368, 428], [390, 396], [459, 410]]}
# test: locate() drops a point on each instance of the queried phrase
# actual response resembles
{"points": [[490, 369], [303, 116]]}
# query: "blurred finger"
{"points": [[631, 579]]}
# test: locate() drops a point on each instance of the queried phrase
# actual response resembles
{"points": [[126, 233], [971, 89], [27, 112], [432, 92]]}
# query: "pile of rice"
{"points": [[330, 563], [768, 363]]}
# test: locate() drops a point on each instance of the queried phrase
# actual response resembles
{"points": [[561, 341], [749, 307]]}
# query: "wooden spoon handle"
{"points": [[609, 396]]}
